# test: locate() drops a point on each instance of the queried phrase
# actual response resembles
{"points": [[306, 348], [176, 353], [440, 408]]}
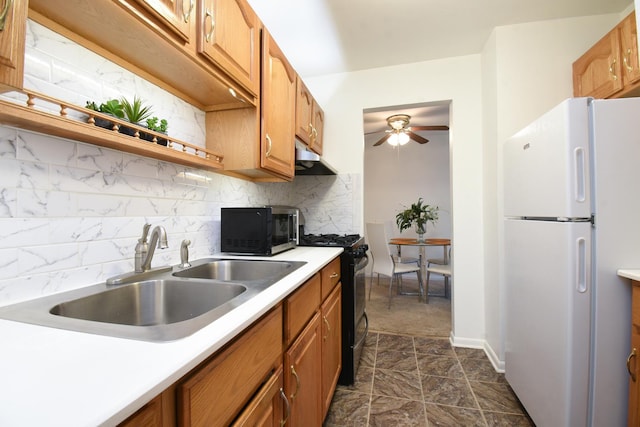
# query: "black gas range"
{"points": [[355, 324]]}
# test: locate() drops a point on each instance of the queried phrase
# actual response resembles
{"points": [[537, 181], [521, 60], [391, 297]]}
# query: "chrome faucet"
{"points": [[159, 238], [142, 248], [184, 254]]}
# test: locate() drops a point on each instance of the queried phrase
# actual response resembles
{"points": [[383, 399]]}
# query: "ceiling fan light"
{"points": [[403, 138], [393, 139]]}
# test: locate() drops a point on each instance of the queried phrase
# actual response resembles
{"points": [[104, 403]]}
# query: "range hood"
{"points": [[309, 163]]}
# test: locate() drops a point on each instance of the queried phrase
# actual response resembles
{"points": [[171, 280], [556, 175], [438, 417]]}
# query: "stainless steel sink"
{"points": [[239, 270], [169, 304], [152, 302]]}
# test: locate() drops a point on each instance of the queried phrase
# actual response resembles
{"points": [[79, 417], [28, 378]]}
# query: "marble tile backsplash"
{"points": [[71, 213]]}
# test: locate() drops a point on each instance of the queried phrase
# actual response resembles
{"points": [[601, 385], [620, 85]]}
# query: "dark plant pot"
{"points": [[103, 123], [128, 131], [149, 137]]}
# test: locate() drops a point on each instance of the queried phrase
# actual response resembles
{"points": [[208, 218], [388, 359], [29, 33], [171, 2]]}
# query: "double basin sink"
{"points": [[159, 305]]}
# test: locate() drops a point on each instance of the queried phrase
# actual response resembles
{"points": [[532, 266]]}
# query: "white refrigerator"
{"points": [[572, 218]]}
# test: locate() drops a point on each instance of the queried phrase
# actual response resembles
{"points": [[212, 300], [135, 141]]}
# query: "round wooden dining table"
{"points": [[445, 243]]}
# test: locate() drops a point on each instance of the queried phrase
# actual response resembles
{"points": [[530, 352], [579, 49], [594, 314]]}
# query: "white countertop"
{"points": [[629, 274], [56, 377]]}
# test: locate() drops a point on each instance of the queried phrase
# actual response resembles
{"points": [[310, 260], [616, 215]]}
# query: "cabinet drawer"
{"points": [[300, 306], [216, 393], [330, 277]]}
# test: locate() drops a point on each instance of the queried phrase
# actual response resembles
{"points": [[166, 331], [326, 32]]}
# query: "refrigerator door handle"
{"points": [[580, 175], [581, 265]]}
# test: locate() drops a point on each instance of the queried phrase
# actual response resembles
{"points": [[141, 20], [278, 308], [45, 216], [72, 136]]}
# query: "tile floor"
{"points": [[410, 380]]}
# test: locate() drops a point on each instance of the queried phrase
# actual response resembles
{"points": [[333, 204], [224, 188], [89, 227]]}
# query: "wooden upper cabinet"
{"points": [[278, 102], [597, 73], [309, 118], [176, 15], [229, 36], [12, 43], [610, 69], [629, 49]]}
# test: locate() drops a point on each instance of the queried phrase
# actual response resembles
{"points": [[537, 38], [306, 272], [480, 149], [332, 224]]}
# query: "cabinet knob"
{"points": [[631, 356]]}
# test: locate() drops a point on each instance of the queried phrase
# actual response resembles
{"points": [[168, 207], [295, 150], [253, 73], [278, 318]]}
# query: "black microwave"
{"points": [[264, 230]]}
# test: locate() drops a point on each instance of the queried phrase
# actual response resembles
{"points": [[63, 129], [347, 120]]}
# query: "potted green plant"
{"points": [[418, 215], [112, 107], [134, 112], [154, 125]]}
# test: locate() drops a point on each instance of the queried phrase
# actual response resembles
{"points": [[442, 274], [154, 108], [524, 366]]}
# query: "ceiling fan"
{"points": [[400, 133]]}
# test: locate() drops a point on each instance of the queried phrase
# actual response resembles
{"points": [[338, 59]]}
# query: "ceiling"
{"points": [[334, 36]]}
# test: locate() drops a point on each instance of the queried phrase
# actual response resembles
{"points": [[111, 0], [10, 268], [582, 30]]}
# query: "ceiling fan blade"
{"points": [[382, 140], [442, 127], [417, 137]]}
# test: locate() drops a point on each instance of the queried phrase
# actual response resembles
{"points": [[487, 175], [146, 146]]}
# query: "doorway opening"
{"points": [[394, 177]]}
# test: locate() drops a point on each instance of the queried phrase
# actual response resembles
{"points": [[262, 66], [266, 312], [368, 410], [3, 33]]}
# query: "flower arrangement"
{"points": [[418, 215]]}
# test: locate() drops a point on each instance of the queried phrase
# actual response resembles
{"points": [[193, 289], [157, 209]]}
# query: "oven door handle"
{"points": [[362, 263], [366, 331]]}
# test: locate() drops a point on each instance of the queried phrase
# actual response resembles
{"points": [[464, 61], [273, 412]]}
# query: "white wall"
{"points": [[345, 96]]}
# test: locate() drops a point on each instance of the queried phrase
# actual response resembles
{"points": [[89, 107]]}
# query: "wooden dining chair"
{"points": [[383, 262]]}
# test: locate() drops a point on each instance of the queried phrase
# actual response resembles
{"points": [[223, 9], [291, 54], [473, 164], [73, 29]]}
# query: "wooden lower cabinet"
{"points": [[303, 370], [633, 364], [217, 392], [331, 312]]}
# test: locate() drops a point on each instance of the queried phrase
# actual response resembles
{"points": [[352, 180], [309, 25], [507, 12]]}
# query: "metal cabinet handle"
{"points": [[186, 15], [209, 14], [295, 374], [270, 145], [334, 275], [326, 322], [631, 356], [627, 61], [611, 71], [4, 13], [288, 405]]}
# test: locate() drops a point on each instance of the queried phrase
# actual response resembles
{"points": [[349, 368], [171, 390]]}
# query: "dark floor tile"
{"points": [[496, 397], [388, 411], [368, 357], [452, 416], [395, 342], [498, 419], [396, 360], [348, 408], [436, 346], [404, 385], [448, 391], [470, 353], [439, 365], [481, 370], [371, 340]]}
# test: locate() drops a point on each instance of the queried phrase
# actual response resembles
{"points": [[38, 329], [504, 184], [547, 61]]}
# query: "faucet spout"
{"points": [[159, 238]]}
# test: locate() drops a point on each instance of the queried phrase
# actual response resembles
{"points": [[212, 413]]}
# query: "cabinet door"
{"points": [[267, 407], [598, 72], [176, 15], [278, 110], [317, 132], [629, 49], [303, 376], [331, 345], [304, 112], [215, 394], [229, 36], [12, 40]]}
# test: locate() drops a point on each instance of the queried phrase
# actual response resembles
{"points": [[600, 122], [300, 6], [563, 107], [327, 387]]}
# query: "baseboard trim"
{"points": [[498, 364]]}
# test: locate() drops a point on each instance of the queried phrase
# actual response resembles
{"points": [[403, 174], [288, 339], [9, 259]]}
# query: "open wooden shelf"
{"points": [[78, 124]]}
